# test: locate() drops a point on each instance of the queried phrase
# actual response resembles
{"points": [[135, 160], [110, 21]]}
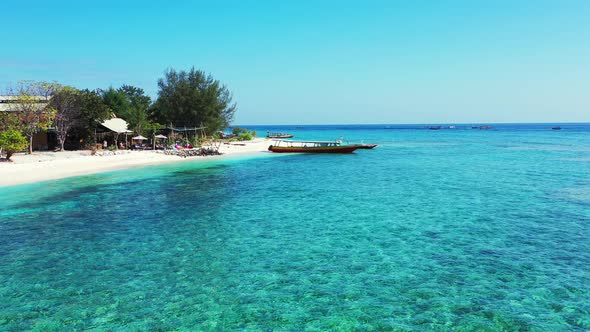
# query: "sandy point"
{"points": [[43, 166]]}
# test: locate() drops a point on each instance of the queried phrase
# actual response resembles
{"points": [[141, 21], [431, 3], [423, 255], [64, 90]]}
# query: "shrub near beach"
{"points": [[243, 134], [12, 141]]}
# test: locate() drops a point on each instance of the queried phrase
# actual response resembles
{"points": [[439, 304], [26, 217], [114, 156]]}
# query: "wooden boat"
{"points": [[278, 135], [367, 146], [314, 147]]}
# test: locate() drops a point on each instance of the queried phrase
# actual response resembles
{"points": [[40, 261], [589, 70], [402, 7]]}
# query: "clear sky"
{"points": [[317, 62]]}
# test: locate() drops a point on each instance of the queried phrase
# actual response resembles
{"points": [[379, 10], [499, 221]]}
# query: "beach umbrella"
{"points": [[139, 138], [160, 136]]}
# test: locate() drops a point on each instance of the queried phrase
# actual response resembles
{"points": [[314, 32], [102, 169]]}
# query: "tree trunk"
{"points": [[61, 137], [31, 144]]}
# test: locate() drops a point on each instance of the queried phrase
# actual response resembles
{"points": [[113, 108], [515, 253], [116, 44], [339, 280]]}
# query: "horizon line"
{"points": [[411, 124]]}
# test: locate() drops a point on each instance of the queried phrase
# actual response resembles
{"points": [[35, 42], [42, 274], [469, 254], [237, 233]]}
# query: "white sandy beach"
{"points": [[41, 166]]}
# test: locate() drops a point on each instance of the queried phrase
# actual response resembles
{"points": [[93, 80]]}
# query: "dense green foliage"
{"points": [[238, 131], [116, 101], [152, 128], [185, 99], [193, 99], [77, 114], [131, 104], [245, 137], [243, 134], [93, 112], [9, 120], [33, 116], [12, 141]]}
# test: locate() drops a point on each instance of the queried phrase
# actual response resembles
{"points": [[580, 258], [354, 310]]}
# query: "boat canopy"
{"points": [[297, 141], [283, 142]]}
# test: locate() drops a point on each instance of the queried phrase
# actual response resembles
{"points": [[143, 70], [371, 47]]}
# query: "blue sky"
{"points": [[317, 62]]}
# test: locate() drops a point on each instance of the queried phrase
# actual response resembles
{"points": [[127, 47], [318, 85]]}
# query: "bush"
{"points": [[12, 141], [245, 137], [239, 131]]}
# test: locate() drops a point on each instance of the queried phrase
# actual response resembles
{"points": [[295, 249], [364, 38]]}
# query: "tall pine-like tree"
{"points": [[191, 99]]}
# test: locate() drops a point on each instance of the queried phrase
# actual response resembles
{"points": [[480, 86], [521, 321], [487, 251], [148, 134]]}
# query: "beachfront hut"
{"points": [[140, 140], [112, 127], [162, 143]]}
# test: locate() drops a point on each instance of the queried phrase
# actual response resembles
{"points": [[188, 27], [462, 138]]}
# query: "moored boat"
{"points": [[367, 146], [315, 147], [278, 135]]}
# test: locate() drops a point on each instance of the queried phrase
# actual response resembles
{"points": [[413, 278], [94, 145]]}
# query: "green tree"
{"points": [[9, 120], [30, 106], [151, 129], [92, 112], [78, 112], [12, 141], [192, 99], [137, 112], [130, 104], [116, 101], [238, 131], [67, 105]]}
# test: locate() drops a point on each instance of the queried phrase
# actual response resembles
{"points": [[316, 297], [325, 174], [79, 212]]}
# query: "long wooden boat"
{"points": [[281, 146], [367, 146], [279, 135]]}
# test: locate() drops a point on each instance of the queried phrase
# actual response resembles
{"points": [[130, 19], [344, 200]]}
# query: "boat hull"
{"points": [[367, 146], [320, 149], [280, 136]]}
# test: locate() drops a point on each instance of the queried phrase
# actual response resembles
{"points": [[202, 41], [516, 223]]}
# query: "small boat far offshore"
{"points": [[556, 128], [278, 135], [282, 146]]}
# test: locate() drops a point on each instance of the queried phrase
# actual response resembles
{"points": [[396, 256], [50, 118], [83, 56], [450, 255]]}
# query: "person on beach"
{"points": [[104, 144]]}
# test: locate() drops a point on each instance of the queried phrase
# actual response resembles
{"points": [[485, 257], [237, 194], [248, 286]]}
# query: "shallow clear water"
{"points": [[433, 230]]}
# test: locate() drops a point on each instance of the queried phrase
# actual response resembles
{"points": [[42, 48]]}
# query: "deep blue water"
{"points": [[452, 229]]}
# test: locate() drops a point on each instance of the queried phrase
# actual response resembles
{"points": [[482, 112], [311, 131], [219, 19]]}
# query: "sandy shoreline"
{"points": [[42, 166]]}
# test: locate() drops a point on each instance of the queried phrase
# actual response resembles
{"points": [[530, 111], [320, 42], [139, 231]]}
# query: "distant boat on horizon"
{"points": [[556, 128]]}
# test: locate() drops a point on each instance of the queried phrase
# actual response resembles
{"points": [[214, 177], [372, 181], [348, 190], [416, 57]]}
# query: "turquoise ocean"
{"points": [[434, 230]]}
